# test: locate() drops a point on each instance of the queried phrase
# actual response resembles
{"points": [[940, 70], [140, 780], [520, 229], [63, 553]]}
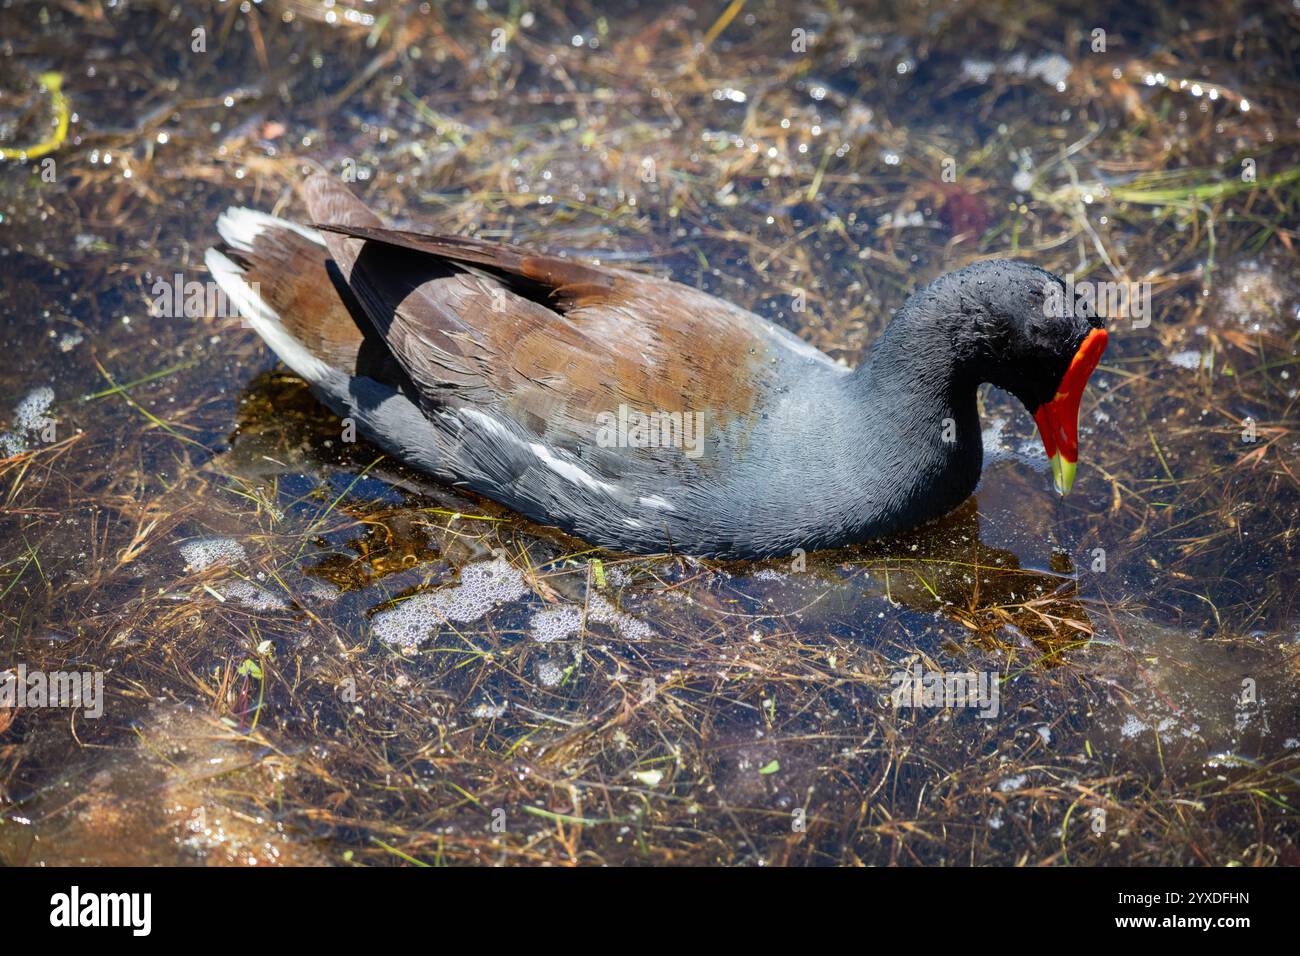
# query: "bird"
{"points": [[640, 414]]}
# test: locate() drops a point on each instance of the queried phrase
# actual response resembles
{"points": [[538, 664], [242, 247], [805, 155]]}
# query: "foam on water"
{"points": [[482, 587], [29, 415], [1255, 296], [1135, 726], [995, 445], [1051, 68], [555, 623], [318, 590], [550, 673], [978, 71], [203, 553], [30, 412], [631, 628], [560, 623], [252, 597], [1190, 359], [70, 340]]}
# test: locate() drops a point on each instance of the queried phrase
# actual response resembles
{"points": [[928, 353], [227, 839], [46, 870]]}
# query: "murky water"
{"points": [[309, 653]]}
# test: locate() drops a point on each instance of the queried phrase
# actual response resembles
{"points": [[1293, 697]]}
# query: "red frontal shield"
{"points": [[1058, 420]]}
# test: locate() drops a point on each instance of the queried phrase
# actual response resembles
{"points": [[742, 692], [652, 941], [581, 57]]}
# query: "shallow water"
{"points": [[312, 654]]}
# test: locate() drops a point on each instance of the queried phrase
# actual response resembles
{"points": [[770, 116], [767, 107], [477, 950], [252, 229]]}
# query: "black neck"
{"points": [[918, 397], [917, 359]]}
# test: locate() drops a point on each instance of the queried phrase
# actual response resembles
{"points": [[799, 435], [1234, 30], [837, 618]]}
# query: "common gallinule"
{"points": [[637, 413]]}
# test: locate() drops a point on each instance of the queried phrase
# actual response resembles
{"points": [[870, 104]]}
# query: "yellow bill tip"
{"points": [[1063, 473]]}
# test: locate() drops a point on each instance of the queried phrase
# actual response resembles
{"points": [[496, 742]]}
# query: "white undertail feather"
{"points": [[239, 227], [263, 318]]}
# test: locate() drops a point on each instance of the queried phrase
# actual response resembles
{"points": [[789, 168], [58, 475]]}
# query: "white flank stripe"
{"points": [[569, 471]]}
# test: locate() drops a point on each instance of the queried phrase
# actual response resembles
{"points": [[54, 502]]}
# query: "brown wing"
{"points": [[552, 343]]}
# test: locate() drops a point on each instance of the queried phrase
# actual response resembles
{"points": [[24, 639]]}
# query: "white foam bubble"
{"points": [[997, 449], [482, 587], [318, 590], [560, 623], [1132, 726], [555, 623], [30, 412], [29, 416], [980, 71], [631, 628], [1190, 359], [253, 597], [550, 673], [994, 440], [1052, 68], [203, 553], [1255, 296]]}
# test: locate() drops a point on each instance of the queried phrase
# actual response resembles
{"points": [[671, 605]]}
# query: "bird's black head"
{"points": [[1015, 326]]}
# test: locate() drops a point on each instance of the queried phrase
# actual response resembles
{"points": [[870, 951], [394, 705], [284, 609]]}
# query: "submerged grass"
{"points": [[1144, 635]]}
